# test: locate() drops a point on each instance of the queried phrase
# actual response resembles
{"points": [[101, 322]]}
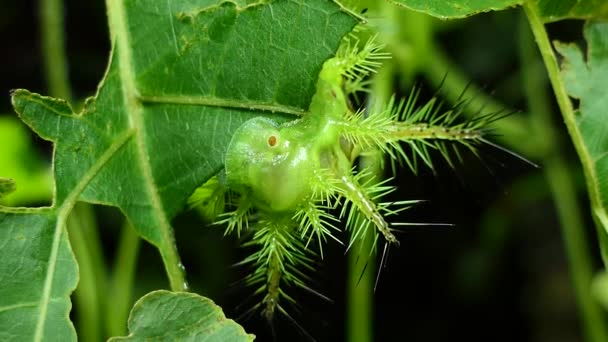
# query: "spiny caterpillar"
{"points": [[285, 180]]}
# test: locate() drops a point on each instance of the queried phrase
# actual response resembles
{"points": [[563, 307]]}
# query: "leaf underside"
{"points": [[181, 79]]}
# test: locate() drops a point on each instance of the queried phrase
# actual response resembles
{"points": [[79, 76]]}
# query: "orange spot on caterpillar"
{"points": [[272, 141]]}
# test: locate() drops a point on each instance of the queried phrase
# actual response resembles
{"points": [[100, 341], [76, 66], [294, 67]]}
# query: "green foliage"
{"points": [[38, 273], [456, 8], [585, 80], [191, 88], [180, 316], [120, 151], [582, 80], [600, 288], [553, 10], [550, 10]]}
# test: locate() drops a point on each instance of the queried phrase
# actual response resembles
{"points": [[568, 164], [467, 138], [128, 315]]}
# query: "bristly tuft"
{"points": [[421, 129], [238, 219], [315, 220], [280, 261], [365, 210], [358, 63]]}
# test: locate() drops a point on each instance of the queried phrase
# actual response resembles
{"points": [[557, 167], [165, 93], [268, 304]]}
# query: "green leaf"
{"points": [[182, 77], [550, 10], [451, 9], [37, 274], [554, 10], [585, 79], [180, 316], [7, 186], [20, 161]]}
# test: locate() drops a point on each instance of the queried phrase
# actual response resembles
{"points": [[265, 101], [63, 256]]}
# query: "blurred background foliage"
{"points": [[500, 274]]}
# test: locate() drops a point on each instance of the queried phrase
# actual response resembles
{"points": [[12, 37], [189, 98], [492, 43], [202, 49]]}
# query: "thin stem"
{"points": [[563, 100], [361, 268], [81, 225], [557, 171], [53, 48], [84, 239], [359, 313], [122, 281]]}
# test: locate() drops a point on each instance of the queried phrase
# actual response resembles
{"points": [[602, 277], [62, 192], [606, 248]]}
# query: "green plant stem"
{"points": [[361, 270], [81, 225], [564, 103], [359, 313], [122, 281], [84, 239], [361, 267], [557, 171], [53, 48]]}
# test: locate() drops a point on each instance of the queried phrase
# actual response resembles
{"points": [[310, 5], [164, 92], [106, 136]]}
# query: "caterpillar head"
{"points": [[270, 163]]}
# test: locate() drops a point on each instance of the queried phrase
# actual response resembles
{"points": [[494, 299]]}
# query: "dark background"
{"points": [[500, 274]]}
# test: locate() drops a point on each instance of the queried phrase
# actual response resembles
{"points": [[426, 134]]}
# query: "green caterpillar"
{"points": [[286, 178]]}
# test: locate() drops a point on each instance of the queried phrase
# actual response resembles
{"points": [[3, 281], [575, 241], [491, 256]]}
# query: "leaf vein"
{"points": [[64, 211], [212, 101]]}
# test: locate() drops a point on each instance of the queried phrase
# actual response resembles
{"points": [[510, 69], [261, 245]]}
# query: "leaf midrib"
{"points": [[211, 101], [118, 20]]}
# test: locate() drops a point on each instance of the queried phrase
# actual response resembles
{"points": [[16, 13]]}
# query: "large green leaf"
{"points": [[178, 316], [450, 9], [182, 77], [585, 79], [553, 10]]}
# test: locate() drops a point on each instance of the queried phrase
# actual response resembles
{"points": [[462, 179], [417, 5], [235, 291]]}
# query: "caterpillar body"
{"points": [[285, 179]]}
